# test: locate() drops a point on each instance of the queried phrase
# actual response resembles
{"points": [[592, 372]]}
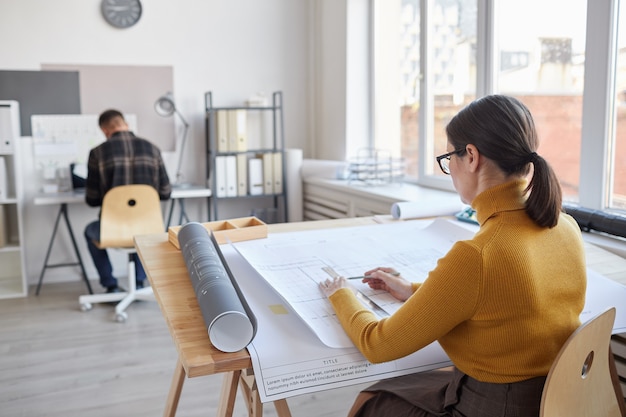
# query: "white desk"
{"points": [[63, 199], [180, 194]]}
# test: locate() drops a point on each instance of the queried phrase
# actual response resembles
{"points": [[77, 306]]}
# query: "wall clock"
{"points": [[121, 13]]}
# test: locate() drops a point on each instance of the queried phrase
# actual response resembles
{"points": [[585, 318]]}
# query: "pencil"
{"points": [[395, 274]]}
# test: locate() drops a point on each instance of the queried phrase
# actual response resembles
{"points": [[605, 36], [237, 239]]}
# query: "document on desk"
{"points": [[289, 359], [292, 264]]}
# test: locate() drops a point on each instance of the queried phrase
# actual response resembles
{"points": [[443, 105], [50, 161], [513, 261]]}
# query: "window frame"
{"points": [[598, 115]]}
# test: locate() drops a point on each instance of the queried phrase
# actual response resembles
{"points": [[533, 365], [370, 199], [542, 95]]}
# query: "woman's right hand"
{"points": [[389, 280]]}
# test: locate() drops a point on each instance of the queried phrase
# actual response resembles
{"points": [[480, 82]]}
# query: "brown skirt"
{"points": [[451, 393]]}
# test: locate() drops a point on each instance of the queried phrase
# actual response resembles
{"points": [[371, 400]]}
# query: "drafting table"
{"points": [[168, 276]]}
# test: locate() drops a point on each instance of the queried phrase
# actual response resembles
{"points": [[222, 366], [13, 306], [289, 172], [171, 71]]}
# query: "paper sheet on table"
{"points": [[292, 264], [287, 357]]}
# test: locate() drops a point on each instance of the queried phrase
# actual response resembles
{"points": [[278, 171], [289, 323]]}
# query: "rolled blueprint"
{"points": [[418, 209], [230, 323]]}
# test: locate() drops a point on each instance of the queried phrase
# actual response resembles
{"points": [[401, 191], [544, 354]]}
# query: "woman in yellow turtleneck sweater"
{"points": [[502, 304]]}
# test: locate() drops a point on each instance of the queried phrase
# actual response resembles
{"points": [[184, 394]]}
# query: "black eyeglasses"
{"points": [[444, 160]]}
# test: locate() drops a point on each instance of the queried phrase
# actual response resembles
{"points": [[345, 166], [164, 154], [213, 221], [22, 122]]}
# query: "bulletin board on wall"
{"points": [[131, 89], [41, 92]]}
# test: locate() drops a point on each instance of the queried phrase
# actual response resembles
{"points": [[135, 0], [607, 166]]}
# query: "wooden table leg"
{"points": [[228, 394], [175, 390], [251, 394], [282, 409], [250, 391]]}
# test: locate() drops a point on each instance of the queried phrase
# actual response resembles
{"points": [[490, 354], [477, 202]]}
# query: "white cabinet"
{"points": [[335, 199], [12, 268]]}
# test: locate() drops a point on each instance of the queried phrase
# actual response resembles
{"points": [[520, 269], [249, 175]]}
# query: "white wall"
{"points": [[340, 95], [234, 48], [329, 79]]}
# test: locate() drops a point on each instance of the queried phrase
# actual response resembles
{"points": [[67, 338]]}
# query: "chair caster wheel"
{"points": [[86, 306], [121, 317]]}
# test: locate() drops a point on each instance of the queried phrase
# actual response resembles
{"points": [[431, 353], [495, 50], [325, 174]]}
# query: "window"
{"points": [[448, 52], [618, 163], [400, 72], [550, 82]]}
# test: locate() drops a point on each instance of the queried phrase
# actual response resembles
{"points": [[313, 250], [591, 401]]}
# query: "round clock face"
{"points": [[121, 13]]}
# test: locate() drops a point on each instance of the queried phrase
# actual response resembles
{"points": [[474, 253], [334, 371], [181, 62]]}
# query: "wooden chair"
{"points": [[127, 211], [582, 381]]}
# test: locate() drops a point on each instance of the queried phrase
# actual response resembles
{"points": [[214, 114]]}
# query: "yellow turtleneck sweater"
{"points": [[501, 304]]}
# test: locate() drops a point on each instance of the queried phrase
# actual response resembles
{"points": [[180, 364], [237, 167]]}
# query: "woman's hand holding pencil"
{"points": [[387, 279]]}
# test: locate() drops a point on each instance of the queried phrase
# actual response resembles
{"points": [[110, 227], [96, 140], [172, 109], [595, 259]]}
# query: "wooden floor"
{"points": [[56, 360]]}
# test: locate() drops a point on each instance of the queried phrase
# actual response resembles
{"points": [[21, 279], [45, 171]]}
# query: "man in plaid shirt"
{"points": [[122, 159]]}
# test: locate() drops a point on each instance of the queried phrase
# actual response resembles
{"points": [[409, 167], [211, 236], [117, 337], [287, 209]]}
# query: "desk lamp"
{"points": [[165, 107]]}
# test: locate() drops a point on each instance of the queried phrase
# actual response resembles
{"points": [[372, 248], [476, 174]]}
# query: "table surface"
{"points": [[167, 273], [78, 196], [166, 270], [69, 197]]}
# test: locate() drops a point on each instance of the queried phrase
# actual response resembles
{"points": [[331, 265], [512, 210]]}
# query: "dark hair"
{"points": [[503, 130], [107, 116]]}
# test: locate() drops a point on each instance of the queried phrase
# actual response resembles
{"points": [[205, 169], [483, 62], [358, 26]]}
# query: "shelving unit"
{"points": [[12, 279], [229, 158]]}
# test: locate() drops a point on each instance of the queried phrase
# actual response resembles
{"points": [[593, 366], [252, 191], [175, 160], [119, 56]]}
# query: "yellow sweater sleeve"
{"points": [[436, 307]]}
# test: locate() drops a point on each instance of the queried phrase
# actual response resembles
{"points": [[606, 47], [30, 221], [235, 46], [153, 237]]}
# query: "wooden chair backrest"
{"points": [[127, 211], [579, 382]]}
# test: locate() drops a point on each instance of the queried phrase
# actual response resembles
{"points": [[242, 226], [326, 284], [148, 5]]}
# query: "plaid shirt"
{"points": [[124, 159]]}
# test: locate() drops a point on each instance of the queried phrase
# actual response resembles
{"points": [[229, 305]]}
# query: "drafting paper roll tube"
{"points": [[230, 323], [418, 209]]}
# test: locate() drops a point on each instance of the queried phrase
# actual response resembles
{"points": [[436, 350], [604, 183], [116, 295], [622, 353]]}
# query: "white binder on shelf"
{"points": [[4, 182], [231, 176], [241, 133], [3, 231], [242, 175], [222, 130], [9, 126], [255, 176], [268, 173], [220, 176], [277, 172], [237, 134]]}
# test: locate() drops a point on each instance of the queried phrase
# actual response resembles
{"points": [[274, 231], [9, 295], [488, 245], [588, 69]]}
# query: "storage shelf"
{"points": [[250, 151], [223, 147], [10, 247], [12, 271], [260, 108], [11, 287]]}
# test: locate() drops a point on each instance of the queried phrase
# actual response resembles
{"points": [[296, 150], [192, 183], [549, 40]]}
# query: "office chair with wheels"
{"points": [[582, 381], [127, 211]]}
